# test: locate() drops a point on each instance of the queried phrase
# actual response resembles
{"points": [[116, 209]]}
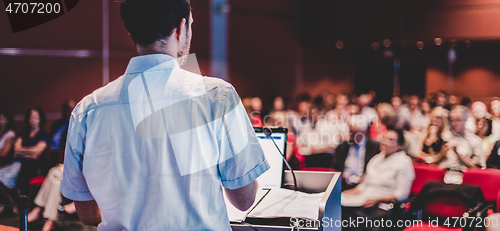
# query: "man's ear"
{"points": [[181, 29]]}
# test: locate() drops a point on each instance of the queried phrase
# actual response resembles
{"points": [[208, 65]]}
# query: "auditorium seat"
{"points": [[425, 173], [487, 180], [445, 202], [37, 181]]}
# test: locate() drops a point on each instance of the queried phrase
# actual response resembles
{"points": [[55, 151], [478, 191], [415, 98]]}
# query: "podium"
{"points": [[309, 182]]}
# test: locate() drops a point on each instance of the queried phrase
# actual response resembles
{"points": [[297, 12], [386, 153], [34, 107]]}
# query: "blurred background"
{"points": [[269, 48]]}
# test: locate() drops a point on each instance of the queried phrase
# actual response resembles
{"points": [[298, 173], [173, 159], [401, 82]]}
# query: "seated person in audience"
{"points": [[425, 105], [365, 110], [495, 112], [49, 197], [402, 111], [278, 114], [58, 132], [352, 156], [388, 179], [7, 137], [484, 131], [432, 139], [30, 145], [318, 140], [300, 120], [417, 119], [464, 149], [431, 146], [340, 112], [442, 100], [338, 116], [385, 113], [478, 109]]}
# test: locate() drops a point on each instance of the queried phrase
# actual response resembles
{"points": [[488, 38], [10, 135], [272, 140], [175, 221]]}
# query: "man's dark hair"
{"points": [[401, 137], [465, 101], [303, 97], [148, 21]]}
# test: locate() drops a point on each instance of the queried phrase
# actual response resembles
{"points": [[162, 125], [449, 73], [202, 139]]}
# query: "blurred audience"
{"points": [[317, 140], [417, 119], [352, 156], [365, 110], [388, 179], [29, 146], [432, 138], [442, 100], [425, 105], [463, 150], [49, 197], [478, 110], [466, 102], [484, 131], [338, 131]]}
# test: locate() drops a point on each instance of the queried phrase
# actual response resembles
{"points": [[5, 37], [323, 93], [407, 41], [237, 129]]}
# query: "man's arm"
{"points": [[242, 198], [88, 212]]}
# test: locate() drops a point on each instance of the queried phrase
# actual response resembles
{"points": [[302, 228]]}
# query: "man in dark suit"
{"points": [[352, 156]]}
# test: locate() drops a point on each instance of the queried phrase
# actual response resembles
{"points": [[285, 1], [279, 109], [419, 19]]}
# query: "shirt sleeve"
{"points": [[73, 185], [404, 180], [242, 159]]}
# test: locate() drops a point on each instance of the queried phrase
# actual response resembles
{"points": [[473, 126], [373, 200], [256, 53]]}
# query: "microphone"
{"points": [[268, 132]]}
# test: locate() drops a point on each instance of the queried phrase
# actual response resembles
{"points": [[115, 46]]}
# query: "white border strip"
{"points": [[68, 53]]}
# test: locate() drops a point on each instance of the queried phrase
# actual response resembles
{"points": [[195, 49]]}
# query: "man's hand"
{"points": [[88, 212]]}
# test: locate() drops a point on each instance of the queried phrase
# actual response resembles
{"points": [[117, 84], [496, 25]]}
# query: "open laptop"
{"points": [[273, 177]]}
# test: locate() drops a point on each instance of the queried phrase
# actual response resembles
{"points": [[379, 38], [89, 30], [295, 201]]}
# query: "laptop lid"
{"points": [[273, 177]]}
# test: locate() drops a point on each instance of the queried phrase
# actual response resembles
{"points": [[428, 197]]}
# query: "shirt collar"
{"points": [[150, 62]]}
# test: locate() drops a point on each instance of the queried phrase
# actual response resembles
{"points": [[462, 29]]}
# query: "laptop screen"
{"points": [[272, 178]]}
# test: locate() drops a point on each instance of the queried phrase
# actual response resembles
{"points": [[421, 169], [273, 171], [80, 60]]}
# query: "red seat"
{"points": [[425, 173], [440, 202], [441, 208], [486, 179], [37, 180]]}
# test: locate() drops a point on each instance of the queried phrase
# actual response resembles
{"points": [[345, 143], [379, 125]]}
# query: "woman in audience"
{"points": [[278, 115], [385, 113], [484, 131], [49, 198], [426, 111], [7, 137], [30, 145], [432, 138]]}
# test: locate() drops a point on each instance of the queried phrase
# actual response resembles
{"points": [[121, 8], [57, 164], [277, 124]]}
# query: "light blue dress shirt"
{"points": [[154, 147]]}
